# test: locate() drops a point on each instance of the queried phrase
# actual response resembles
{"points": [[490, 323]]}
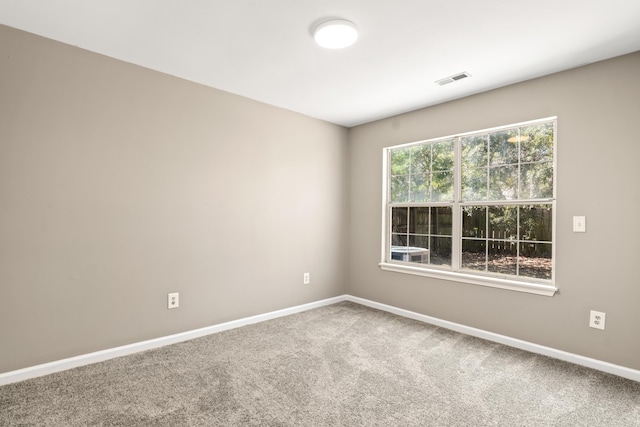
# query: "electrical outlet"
{"points": [[173, 300], [306, 278], [596, 319]]}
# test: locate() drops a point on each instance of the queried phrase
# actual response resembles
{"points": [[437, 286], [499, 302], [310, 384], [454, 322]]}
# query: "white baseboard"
{"points": [[100, 356], [599, 365]]}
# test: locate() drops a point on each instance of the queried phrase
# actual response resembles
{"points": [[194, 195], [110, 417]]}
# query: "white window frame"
{"points": [[454, 273]]}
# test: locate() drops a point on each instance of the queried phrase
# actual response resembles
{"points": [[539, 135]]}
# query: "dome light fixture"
{"points": [[335, 33]]}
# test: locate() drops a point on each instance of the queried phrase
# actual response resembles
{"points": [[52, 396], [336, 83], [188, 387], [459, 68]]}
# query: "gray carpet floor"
{"points": [[341, 365]]}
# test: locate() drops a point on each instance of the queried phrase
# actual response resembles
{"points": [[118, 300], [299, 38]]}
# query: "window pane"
{"points": [[399, 218], [502, 257], [474, 150], [474, 220], [535, 223], [441, 218], [474, 183], [440, 251], [421, 159], [503, 183], [536, 143], [535, 260], [536, 181], [503, 222], [419, 242], [503, 147], [399, 237], [399, 189], [399, 240], [419, 221], [473, 254], [419, 190], [442, 186], [400, 161], [443, 156]]}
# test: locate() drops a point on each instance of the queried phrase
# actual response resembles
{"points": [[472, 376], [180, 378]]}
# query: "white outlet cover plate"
{"points": [[173, 300], [597, 319]]}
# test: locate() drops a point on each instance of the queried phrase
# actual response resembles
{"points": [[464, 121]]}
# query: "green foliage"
{"points": [[536, 180], [475, 151], [535, 222], [503, 148], [503, 182], [492, 169], [422, 173], [536, 143], [503, 222], [400, 160], [474, 183]]}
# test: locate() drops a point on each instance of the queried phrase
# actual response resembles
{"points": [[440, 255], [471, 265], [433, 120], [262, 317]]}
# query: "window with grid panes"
{"points": [[476, 205]]}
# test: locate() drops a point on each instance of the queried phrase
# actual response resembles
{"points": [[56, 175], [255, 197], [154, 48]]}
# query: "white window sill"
{"points": [[494, 282]]}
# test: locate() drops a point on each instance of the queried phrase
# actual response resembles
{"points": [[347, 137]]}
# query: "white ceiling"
{"points": [[263, 49]]}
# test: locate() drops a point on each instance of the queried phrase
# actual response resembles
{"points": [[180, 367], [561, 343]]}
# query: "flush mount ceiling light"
{"points": [[335, 33]]}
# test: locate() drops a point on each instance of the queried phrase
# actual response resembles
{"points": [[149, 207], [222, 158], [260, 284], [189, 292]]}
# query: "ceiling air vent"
{"points": [[453, 78]]}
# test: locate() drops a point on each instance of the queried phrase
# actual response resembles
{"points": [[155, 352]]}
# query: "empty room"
{"points": [[336, 213]]}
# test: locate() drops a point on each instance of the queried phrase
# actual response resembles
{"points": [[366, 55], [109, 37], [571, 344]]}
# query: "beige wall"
{"points": [[119, 185], [598, 109]]}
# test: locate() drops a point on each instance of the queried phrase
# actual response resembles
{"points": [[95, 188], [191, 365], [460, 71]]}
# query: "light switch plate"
{"points": [[579, 224]]}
